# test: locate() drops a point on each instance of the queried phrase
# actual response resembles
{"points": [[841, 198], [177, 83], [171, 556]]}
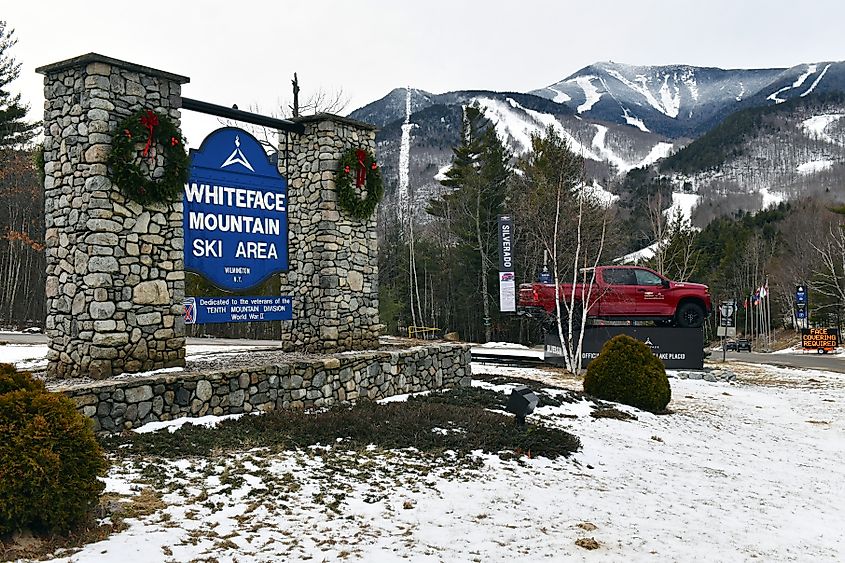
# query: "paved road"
{"points": [[809, 361]]}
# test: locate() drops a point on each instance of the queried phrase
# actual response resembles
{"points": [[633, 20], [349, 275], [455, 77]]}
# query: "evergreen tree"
{"points": [[479, 182], [15, 131]]}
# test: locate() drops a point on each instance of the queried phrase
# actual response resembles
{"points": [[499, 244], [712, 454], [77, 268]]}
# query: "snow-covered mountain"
{"points": [[759, 157], [682, 100], [426, 127], [621, 117]]}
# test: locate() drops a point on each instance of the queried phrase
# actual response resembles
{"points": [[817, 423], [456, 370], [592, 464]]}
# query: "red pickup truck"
{"points": [[623, 293]]}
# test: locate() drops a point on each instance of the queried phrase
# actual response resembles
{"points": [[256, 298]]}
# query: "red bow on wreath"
{"points": [[149, 120], [361, 178]]}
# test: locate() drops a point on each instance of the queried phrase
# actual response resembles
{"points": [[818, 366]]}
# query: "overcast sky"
{"points": [[246, 52]]}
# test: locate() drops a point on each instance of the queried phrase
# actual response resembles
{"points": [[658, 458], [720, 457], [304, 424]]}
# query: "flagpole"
{"points": [[769, 309]]}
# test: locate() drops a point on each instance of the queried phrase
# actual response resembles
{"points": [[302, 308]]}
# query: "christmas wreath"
{"points": [[132, 167], [358, 169]]}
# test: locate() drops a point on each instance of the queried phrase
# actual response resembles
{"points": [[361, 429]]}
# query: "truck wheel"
{"points": [[690, 315]]}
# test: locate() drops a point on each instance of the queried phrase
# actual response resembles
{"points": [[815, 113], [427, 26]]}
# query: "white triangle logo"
{"points": [[237, 157]]}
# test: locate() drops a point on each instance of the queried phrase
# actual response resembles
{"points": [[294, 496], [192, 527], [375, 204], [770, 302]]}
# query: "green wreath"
{"points": [[358, 169], [131, 167]]}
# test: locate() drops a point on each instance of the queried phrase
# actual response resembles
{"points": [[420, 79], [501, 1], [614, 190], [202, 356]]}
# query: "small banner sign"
{"points": [[677, 348], [235, 212], [507, 278], [237, 309], [820, 339]]}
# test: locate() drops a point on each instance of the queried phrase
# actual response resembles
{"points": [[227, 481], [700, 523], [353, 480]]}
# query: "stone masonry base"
{"points": [[128, 403]]}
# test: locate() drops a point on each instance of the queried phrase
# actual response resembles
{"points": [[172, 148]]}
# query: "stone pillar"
{"points": [[115, 279], [333, 266]]}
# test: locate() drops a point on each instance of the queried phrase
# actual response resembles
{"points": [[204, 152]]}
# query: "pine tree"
{"points": [[479, 180], [15, 131]]}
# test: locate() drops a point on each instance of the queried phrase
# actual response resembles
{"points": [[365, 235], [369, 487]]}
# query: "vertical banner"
{"points": [[507, 279]]}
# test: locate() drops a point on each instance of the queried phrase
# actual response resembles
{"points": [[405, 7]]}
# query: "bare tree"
{"points": [[556, 210]]}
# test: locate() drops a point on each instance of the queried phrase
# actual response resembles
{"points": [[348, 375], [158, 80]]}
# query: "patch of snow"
{"points": [[404, 195], [670, 100], [560, 97], [770, 198], [658, 151], [441, 174], [800, 80], [816, 81], [774, 95], [797, 84], [591, 93], [814, 166], [638, 256], [670, 110], [34, 357], [608, 155], [741, 92], [815, 127], [172, 426], [508, 345], [635, 121], [683, 202], [24, 356], [543, 121], [688, 78], [508, 123]]}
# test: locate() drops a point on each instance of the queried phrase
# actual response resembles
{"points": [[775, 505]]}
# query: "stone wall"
{"points": [[128, 403], [333, 274], [115, 279]]}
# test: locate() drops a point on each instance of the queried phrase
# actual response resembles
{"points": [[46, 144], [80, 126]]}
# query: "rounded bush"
{"points": [[49, 458], [626, 371]]}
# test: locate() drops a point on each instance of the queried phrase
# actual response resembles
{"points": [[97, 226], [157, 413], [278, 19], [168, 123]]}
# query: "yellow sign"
{"points": [[820, 338]]}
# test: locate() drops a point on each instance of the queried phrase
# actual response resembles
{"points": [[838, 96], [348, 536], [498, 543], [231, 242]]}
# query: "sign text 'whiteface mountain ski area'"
{"points": [[235, 215]]}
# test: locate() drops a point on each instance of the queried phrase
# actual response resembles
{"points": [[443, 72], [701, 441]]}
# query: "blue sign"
{"points": [[545, 277], [235, 212], [206, 310], [800, 294], [801, 314]]}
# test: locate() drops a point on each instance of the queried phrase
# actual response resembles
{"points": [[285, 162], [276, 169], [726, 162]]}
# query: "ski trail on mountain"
{"points": [[405, 161]]}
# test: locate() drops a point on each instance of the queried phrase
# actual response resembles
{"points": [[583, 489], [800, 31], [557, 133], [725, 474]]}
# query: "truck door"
{"points": [[619, 297], [651, 295]]}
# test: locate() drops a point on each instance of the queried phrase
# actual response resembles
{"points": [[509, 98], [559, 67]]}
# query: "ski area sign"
{"points": [[235, 212]]}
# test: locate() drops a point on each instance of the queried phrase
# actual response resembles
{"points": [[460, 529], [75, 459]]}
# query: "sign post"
{"points": [[507, 277]]}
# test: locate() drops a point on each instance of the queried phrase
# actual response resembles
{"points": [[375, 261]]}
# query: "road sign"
{"points": [[800, 294], [727, 310], [726, 331]]}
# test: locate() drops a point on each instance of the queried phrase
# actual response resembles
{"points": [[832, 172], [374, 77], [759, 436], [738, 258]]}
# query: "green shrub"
{"points": [[627, 372], [49, 458]]}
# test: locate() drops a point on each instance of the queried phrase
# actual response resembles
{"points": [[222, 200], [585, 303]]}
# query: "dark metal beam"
{"points": [[238, 115]]}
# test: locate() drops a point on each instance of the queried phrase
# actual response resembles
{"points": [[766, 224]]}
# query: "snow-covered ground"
{"points": [[750, 471]]}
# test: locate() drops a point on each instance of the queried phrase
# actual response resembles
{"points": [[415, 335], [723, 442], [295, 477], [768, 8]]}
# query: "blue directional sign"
{"points": [[545, 277], [235, 212], [800, 294]]}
